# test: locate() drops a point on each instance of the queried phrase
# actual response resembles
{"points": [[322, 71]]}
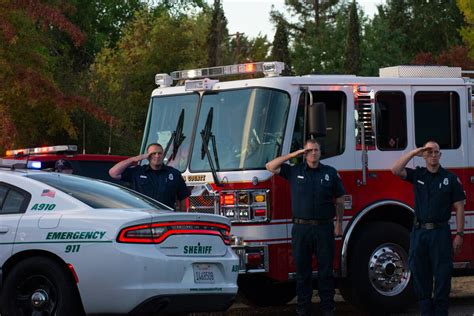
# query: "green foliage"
{"points": [[403, 29], [34, 107], [352, 53], [122, 78], [467, 32], [217, 36], [280, 47], [319, 48]]}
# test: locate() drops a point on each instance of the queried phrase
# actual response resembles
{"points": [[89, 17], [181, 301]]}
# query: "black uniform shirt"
{"points": [[435, 193], [312, 190], [164, 185]]}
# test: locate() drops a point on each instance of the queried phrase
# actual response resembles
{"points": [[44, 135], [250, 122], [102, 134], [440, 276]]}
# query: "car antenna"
{"points": [[83, 135], [110, 138]]}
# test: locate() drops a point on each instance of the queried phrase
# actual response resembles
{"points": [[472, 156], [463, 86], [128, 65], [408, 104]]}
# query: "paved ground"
{"points": [[462, 304]]}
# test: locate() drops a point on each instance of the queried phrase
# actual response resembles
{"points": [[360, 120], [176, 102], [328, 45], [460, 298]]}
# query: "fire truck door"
{"points": [[382, 115]]}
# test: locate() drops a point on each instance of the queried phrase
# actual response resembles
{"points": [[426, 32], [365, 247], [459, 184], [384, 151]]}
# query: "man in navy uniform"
{"points": [[316, 197], [158, 181], [436, 191]]}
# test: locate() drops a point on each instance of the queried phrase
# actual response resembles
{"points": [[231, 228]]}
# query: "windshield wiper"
{"points": [[206, 135], [177, 138]]}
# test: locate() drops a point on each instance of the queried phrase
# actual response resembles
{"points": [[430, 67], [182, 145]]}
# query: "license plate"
{"points": [[204, 273]]}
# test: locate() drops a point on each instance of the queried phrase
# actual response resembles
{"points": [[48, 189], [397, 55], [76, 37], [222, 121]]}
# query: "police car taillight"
{"points": [[158, 232]]}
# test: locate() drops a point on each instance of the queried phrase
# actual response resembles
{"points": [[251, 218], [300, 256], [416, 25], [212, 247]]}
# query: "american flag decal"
{"points": [[49, 193]]}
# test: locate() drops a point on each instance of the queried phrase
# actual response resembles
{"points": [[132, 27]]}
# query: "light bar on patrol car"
{"points": [[40, 150], [20, 164], [269, 69]]}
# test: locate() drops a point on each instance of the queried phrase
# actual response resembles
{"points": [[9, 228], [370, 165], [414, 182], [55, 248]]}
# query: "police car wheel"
{"points": [[379, 278], [39, 286]]}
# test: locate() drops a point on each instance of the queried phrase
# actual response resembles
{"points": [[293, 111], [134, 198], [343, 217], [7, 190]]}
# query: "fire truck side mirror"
{"points": [[316, 120]]}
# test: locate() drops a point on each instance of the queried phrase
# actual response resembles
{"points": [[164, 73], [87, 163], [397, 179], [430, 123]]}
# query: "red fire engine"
{"points": [[220, 134]]}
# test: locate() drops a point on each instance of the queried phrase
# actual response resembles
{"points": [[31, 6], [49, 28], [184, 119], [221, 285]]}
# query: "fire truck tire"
{"points": [[262, 291], [39, 286], [379, 278]]}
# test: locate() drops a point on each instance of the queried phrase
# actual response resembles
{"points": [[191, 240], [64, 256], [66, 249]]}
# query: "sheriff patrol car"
{"points": [[71, 245]]}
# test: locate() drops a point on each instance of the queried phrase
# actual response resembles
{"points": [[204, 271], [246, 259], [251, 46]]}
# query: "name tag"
{"points": [[420, 182], [300, 177], [143, 177]]}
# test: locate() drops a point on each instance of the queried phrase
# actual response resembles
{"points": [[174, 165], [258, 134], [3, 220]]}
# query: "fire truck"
{"points": [[220, 134]]}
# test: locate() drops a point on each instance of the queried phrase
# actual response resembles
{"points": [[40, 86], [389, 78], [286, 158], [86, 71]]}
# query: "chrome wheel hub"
{"points": [[388, 269], [39, 298]]}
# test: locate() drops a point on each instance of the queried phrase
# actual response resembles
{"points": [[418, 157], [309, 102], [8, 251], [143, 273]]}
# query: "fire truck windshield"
{"points": [[248, 126], [163, 117]]}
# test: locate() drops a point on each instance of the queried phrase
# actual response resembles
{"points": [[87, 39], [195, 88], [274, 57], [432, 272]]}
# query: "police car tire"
{"points": [[358, 290], [40, 273]]}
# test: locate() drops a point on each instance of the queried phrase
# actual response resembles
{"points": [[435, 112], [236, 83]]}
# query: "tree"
{"points": [[122, 78], [352, 53], [456, 56], [217, 36], [31, 98], [467, 31], [383, 45], [280, 47]]}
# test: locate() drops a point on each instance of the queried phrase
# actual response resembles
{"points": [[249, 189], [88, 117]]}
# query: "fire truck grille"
{"points": [[202, 204]]}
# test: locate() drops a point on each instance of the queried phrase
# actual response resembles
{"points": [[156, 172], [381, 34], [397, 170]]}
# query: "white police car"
{"points": [[72, 245]]}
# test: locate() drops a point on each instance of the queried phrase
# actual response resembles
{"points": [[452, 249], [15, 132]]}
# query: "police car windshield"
{"points": [[98, 194], [248, 126]]}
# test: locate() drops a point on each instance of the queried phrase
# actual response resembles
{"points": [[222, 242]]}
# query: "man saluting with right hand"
{"points": [[437, 191], [316, 197]]}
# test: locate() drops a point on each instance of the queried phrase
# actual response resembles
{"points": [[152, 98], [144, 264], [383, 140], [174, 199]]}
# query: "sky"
{"points": [[253, 16]]}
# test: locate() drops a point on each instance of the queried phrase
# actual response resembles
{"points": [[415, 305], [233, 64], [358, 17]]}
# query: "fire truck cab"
{"points": [[220, 134]]}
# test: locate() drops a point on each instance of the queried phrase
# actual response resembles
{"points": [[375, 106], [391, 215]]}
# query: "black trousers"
{"points": [[306, 241]]}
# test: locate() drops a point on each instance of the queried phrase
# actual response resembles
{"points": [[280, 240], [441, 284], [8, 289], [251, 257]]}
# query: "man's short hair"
{"points": [[61, 165], [312, 141], [153, 144]]}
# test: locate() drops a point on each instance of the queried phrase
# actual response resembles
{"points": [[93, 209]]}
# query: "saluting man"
{"points": [[316, 197], [436, 191], [156, 180]]}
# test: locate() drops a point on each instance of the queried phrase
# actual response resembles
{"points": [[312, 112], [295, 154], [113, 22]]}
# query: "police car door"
{"points": [[13, 203], [441, 114]]}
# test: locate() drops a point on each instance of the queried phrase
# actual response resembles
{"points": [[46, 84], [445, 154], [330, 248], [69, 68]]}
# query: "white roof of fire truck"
{"points": [[203, 78]]}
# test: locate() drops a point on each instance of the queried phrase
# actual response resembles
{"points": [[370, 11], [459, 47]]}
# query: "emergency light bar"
{"points": [[163, 80], [199, 84], [20, 164], [41, 150], [269, 69]]}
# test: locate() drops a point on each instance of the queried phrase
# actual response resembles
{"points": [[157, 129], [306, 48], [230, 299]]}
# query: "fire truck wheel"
{"points": [[261, 291], [379, 278]]}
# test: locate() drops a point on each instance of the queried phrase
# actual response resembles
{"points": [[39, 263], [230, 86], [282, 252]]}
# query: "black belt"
{"points": [[429, 226], [311, 221]]}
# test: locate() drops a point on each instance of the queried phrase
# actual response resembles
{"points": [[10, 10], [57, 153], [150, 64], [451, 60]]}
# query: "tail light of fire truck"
{"points": [[245, 205]]}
